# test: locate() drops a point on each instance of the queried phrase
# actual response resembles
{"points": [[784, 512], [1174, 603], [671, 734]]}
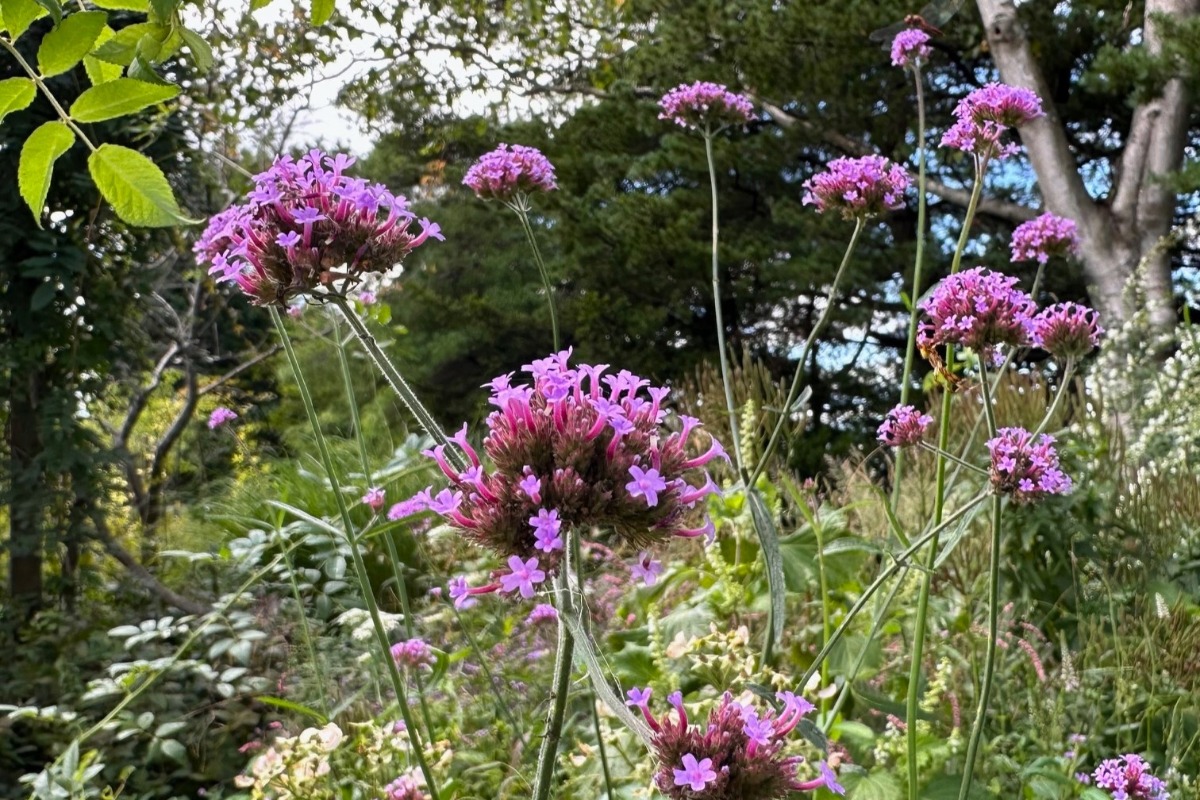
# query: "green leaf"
{"points": [[123, 45], [101, 71], [66, 45], [53, 8], [322, 10], [202, 54], [289, 705], [16, 94], [19, 15], [123, 5], [768, 537], [874, 786], [43, 295], [255, 5], [174, 750], [135, 186], [41, 150], [163, 10], [119, 97], [141, 70]]}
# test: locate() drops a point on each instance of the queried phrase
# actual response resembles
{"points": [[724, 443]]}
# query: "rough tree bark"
{"points": [[1122, 230]]}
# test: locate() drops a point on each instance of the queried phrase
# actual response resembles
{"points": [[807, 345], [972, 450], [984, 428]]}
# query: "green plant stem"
{"points": [[826, 622], [876, 624], [794, 390], [396, 380], [305, 632], [723, 355], [989, 662], [899, 563], [914, 314], [989, 410], [36, 77], [406, 609], [950, 456], [1068, 373], [585, 616], [548, 753], [522, 209], [359, 565]]}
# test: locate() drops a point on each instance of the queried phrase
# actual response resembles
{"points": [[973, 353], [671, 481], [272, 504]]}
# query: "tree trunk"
{"points": [[1124, 233], [25, 515]]}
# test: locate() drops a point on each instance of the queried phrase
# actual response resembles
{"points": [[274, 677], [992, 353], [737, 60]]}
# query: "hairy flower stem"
{"points": [[1068, 373], [360, 567], [548, 753], [585, 615], [522, 208], [877, 620], [899, 562], [794, 390], [913, 698], [914, 314], [722, 352], [396, 380]]}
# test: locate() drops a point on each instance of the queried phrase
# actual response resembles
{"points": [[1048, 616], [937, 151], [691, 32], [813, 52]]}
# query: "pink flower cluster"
{"points": [[220, 416], [1023, 468], [737, 755], [509, 172], [977, 308], [904, 426], [983, 116], [1128, 778], [1044, 237], [578, 449], [307, 224], [406, 787], [412, 653], [1067, 330], [708, 107], [910, 46], [858, 187], [374, 498]]}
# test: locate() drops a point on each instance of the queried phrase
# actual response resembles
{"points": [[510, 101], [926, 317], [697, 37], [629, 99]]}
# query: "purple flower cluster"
{"points": [[412, 653], [977, 308], [307, 224], [1128, 778], [858, 187], [1023, 468], [374, 498], [910, 46], [510, 171], [220, 416], [1044, 237], [708, 107], [578, 449], [983, 116], [737, 755], [406, 787], [1067, 330], [904, 426]]}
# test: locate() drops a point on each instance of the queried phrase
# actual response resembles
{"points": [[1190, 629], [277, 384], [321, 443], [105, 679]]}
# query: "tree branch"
{"points": [[141, 574]]}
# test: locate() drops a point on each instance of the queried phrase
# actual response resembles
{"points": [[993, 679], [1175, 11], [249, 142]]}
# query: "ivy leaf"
{"points": [[66, 45], [123, 46], [15, 94], [202, 54], [41, 150], [101, 71], [322, 10], [19, 15], [119, 97], [135, 186]]}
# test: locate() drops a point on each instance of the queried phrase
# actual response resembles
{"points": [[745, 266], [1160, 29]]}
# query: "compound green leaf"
{"points": [[119, 97], [101, 71], [19, 15], [123, 46], [36, 166], [66, 45], [16, 94], [135, 186]]}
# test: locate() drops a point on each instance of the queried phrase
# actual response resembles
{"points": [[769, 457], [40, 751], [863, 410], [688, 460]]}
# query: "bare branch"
{"points": [[141, 574], [238, 370]]}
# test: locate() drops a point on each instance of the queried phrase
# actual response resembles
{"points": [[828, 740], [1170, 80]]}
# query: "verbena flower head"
{"points": [[412, 653], [737, 754], [1067, 330], [858, 187], [221, 416], [375, 498], [985, 114], [1128, 778], [1024, 468], [307, 224], [705, 106], [909, 46], [904, 426], [1042, 238], [577, 448], [407, 787], [509, 171], [977, 308]]}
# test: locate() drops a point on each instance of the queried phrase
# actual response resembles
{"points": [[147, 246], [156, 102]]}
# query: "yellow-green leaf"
{"points": [[66, 45], [119, 97], [255, 5], [101, 71], [19, 15], [202, 54], [123, 45], [16, 94], [41, 150], [123, 5], [322, 10], [135, 186]]}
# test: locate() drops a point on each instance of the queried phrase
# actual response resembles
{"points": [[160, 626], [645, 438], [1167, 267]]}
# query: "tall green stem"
{"points": [[548, 753], [914, 314], [360, 567], [522, 208], [794, 390], [722, 352]]}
